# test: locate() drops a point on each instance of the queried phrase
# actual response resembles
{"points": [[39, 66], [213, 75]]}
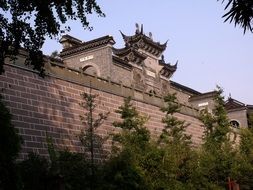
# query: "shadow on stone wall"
{"points": [[40, 107], [50, 105]]}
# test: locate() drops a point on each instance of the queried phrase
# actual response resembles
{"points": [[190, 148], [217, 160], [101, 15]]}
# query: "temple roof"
{"points": [[70, 39], [234, 104], [167, 69], [140, 40], [125, 51], [88, 45], [129, 54]]}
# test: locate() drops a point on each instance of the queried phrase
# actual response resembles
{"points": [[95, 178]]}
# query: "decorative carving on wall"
{"points": [[139, 79]]}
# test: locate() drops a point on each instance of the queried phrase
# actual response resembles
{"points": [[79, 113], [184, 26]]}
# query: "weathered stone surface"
{"points": [[50, 106]]}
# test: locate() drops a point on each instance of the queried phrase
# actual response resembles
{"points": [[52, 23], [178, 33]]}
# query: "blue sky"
{"points": [[209, 51]]}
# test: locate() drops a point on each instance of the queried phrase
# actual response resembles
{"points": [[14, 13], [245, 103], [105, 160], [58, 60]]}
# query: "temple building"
{"points": [[50, 106], [141, 64]]}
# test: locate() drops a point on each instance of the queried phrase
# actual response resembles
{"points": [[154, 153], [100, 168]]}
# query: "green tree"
{"points": [[132, 124], [54, 54], [29, 22], [74, 171], [140, 162], [91, 141], [123, 170], [10, 144], [244, 167], [174, 129], [174, 157], [67, 169], [34, 172], [217, 155], [216, 123], [240, 12]]}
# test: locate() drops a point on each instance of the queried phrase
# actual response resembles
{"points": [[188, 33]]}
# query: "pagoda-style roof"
{"points": [[234, 104], [146, 43], [167, 69], [129, 54], [102, 41]]}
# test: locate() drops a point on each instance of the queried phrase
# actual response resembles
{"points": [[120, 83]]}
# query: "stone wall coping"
{"points": [[75, 76]]}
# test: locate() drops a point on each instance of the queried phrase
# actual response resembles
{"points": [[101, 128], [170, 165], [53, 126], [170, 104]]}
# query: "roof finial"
{"points": [[150, 35], [137, 31], [123, 35], [163, 58], [176, 64], [141, 28], [229, 96]]}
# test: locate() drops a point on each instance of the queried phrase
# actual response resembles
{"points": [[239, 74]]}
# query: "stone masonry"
{"points": [[50, 106]]}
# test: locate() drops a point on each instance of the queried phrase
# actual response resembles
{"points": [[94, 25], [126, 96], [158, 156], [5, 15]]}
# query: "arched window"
{"points": [[235, 124], [91, 69]]}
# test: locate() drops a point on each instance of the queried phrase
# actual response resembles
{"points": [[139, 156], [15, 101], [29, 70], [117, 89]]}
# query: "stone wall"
{"points": [[239, 115], [121, 74], [99, 58], [50, 106], [182, 96]]}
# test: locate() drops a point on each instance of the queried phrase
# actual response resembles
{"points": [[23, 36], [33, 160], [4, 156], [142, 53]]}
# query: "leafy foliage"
{"points": [[139, 162], [27, 23], [72, 171], [34, 172], [90, 140], [10, 144], [132, 125], [217, 155], [240, 12], [147, 164], [174, 130], [123, 172], [88, 137], [10, 141], [123, 169], [177, 157], [245, 159], [216, 123]]}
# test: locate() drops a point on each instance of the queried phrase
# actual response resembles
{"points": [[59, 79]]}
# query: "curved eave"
{"points": [[125, 37], [167, 72], [147, 40], [126, 51], [89, 45], [135, 38], [120, 51], [156, 45], [168, 66]]}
